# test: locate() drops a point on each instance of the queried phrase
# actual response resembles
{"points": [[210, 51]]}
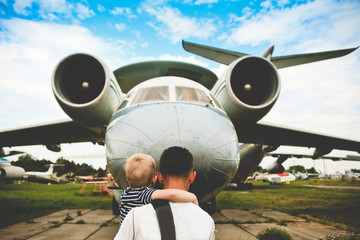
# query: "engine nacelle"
{"points": [[86, 89], [12, 172], [248, 89]]}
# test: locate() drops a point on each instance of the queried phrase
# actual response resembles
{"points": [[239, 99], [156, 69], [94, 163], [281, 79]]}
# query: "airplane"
{"points": [[43, 177], [307, 176], [276, 167], [9, 172], [92, 177], [147, 107], [276, 178]]}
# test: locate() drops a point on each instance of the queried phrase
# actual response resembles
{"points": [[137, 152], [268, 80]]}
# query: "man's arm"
{"points": [[126, 228], [175, 195]]}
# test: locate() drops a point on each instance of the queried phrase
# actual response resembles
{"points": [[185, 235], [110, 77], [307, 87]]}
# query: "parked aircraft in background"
{"points": [[276, 167], [43, 177], [93, 177], [306, 176], [149, 106], [276, 178], [9, 172]]}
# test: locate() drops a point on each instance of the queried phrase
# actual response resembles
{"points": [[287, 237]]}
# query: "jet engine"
{"points": [[86, 89], [11, 172], [248, 89]]}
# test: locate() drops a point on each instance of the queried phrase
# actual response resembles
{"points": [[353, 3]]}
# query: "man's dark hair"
{"points": [[176, 161]]}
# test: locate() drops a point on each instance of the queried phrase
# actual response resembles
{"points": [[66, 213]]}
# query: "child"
{"points": [[141, 176]]}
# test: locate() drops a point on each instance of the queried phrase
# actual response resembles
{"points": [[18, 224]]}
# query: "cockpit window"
{"points": [[191, 94], [151, 94]]}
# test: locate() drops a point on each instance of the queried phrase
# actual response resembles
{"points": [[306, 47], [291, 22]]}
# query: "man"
{"points": [[191, 222]]}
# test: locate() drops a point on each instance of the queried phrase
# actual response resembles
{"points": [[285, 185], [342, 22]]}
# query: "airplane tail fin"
{"points": [[51, 169], [298, 59], [216, 54], [226, 57]]}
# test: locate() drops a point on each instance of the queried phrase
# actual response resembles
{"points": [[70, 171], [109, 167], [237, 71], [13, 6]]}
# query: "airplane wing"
{"points": [[273, 135], [11, 153], [226, 57], [48, 134]]}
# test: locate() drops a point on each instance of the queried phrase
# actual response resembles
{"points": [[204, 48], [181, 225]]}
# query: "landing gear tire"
{"points": [[209, 206], [115, 207], [244, 186]]}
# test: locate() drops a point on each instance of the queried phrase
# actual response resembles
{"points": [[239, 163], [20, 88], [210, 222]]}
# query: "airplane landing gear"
{"points": [[244, 186], [209, 206], [115, 207]]}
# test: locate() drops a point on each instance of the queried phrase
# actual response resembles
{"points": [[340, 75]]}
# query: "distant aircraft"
{"points": [[276, 178], [9, 172], [43, 177], [149, 106], [92, 177], [276, 167]]}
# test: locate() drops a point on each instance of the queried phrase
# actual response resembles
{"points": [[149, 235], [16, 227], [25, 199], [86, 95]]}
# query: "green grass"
{"points": [[336, 207], [23, 202]]}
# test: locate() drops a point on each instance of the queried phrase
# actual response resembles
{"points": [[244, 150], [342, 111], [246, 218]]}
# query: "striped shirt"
{"points": [[131, 198]]}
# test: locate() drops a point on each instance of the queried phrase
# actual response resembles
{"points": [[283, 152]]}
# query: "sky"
{"points": [[323, 97]]}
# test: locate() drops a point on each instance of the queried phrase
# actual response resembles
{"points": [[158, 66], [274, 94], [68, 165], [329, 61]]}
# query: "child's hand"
{"points": [[195, 202]]}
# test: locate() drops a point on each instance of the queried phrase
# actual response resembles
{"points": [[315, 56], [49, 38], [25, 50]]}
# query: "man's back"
{"points": [[191, 222]]}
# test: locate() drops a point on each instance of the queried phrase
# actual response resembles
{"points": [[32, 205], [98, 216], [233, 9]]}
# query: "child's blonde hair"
{"points": [[140, 170]]}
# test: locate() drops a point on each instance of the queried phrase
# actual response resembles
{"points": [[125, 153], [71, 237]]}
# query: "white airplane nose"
{"points": [[150, 129]]}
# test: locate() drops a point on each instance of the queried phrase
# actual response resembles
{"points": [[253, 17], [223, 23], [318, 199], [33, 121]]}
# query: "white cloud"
{"points": [[120, 11], [144, 45], [84, 12], [120, 26], [123, 11], [172, 24], [320, 97], [21, 6], [151, 4], [321, 19], [50, 10], [267, 4], [245, 14], [27, 61], [199, 2], [101, 8]]}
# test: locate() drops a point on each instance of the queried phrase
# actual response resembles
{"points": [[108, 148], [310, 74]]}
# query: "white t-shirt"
{"points": [[191, 222]]}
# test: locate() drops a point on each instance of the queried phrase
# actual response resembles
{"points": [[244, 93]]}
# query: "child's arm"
{"points": [[175, 195]]}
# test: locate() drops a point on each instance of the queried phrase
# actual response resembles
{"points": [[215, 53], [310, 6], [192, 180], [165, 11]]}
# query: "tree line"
{"points": [[29, 163]]}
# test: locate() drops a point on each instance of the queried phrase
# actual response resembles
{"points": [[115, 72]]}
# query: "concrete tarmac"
{"points": [[81, 224]]}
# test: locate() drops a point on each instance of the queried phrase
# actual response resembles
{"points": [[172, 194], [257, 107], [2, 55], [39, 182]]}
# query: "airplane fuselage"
{"points": [[172, 111]]}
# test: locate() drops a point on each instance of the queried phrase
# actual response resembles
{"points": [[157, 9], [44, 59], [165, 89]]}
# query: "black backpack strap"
{"points": [[165, 219]]}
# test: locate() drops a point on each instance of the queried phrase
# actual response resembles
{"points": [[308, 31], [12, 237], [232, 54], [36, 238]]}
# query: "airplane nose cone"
{"points": [[206, 132]]}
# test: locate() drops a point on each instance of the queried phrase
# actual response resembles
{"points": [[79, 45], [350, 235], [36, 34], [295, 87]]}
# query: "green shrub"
{"points": [[80, 222], [68, 217], [352, 236], [273, 234]]}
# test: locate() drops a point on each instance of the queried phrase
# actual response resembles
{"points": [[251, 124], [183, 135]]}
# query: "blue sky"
{"points": [[323, 97]]}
